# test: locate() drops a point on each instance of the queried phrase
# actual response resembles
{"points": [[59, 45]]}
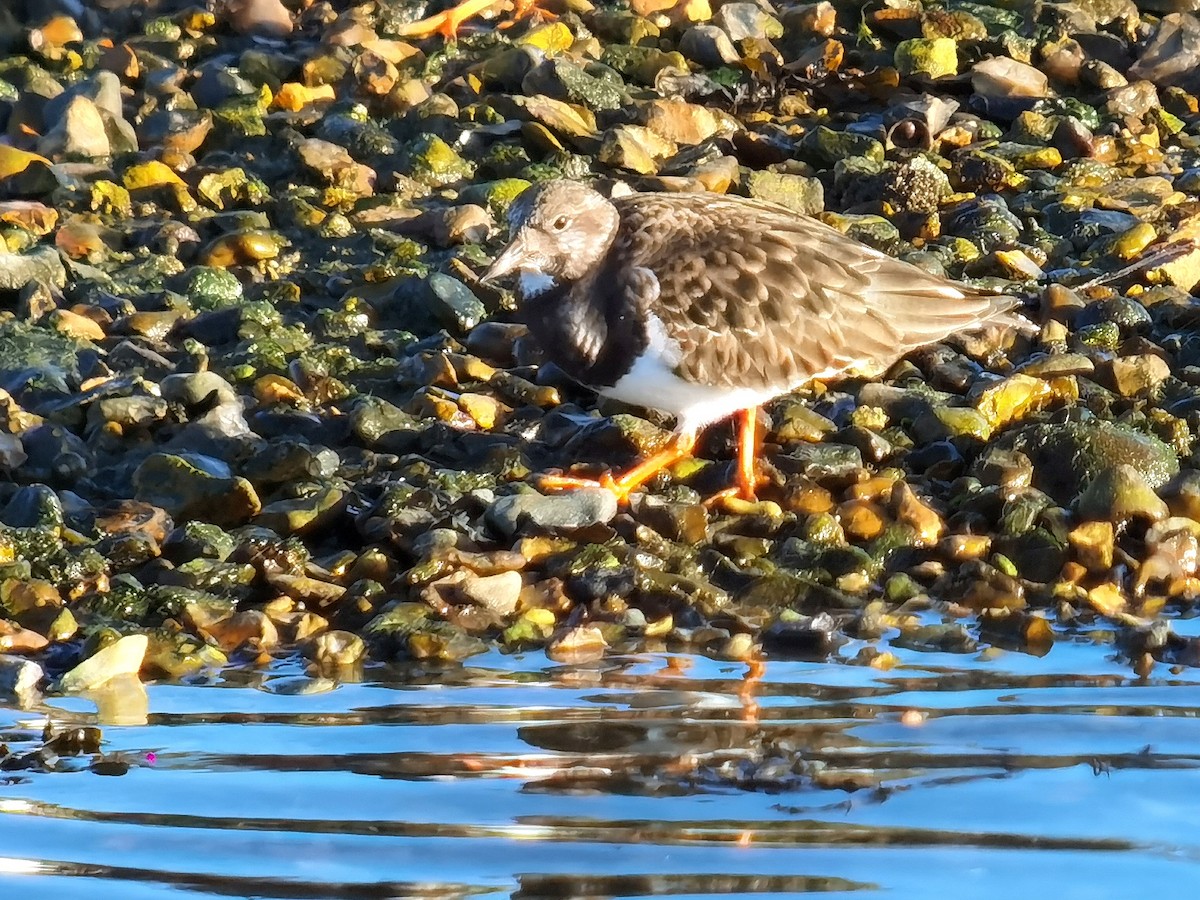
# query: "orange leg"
{"points": [[747, 447], [747, 479], [756, 668], [623, 485], [447, 23], [526, 8]]}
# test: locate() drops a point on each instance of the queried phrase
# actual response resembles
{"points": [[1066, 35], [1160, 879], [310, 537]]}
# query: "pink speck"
{"points": [[151, 757]]}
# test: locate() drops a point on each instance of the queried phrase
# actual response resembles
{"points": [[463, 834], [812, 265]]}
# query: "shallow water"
{"points": [[639, 776]]}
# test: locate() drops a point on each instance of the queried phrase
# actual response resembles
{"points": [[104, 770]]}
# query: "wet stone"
{"points": [[337, 167], [1067, 457], [131, 412], [1172, 56], [19, 679], [122, 657], [821, 460], [192, 486], [747, 20], [1010, 470], [805, 637], [197, 388], [454, 304], [302, 514], [41, 265], [336, 648], [79, 134], [1134, 376], [679, 521], [1003, 77], [796, 192], [1120, 495], [1093, 544], [573, 509], [499, 593], [1182, 494], [708, 45], [1133, 101]]}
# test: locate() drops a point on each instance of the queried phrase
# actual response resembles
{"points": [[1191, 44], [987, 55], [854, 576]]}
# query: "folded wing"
{"points": [[764, 296]]}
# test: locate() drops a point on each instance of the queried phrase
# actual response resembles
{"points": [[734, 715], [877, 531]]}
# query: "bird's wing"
{"points": [[756, 295]]}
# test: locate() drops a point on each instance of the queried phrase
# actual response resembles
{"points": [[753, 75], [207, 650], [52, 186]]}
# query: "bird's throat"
{"points": [[533, 283]]}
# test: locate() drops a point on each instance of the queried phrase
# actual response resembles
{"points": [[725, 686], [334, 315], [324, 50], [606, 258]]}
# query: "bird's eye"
{"points": [[560, 223]]}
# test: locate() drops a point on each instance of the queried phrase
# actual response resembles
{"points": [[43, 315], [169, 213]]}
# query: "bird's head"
{"points": [[559, 231]]}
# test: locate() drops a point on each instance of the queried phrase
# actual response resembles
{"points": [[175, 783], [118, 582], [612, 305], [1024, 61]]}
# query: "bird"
{"points": [[703, 305], [448, 22]]}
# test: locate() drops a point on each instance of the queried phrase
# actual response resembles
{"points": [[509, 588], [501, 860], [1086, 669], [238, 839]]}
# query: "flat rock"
{"points": [[1172, 56], [188, 491], [747, 20], [798, 193], [499, 593], [41, 265], [573, 509], [1003, 77], [19, 679], [122, 657]]}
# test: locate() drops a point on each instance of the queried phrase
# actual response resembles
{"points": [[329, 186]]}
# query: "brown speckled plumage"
{"points": [[750, 296], [757, 296]]}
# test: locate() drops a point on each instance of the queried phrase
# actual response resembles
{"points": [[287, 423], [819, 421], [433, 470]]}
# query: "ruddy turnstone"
{"points": [[702, 305]]}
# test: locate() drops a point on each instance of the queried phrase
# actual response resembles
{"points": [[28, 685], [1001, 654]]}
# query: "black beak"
{"points": [[509, 260]]}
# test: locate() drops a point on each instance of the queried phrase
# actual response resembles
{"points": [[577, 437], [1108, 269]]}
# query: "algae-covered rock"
{"points": [[1069, 456], [430, 160], [192, 486], [932, 57], [1120, 494], [212, 288], [797, 192], [827, 146]]}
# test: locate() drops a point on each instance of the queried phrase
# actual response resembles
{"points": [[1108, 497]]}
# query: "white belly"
{"points": [[652, 384]]}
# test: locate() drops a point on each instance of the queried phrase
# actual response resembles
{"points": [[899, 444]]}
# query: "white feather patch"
{"points": [[533, 282], [652, 383]]}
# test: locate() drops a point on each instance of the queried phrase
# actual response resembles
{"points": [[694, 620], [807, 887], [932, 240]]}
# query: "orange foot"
{"points": [[625, 484], [523, 9], [447, 23], [605, 482]]}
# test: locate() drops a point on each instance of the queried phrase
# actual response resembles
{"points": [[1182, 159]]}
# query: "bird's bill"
{"points": [[511, 259]]}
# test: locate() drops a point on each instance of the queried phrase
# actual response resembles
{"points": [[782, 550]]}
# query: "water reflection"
{"points": [[649, 775]]}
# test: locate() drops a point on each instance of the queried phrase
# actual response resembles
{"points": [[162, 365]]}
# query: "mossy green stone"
{"points": [[431, 161], [826, 146], [1068, 456], [212, 288], [497, 195], [796, 192], [1102, 335], [963, 421], [932, 57]]}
